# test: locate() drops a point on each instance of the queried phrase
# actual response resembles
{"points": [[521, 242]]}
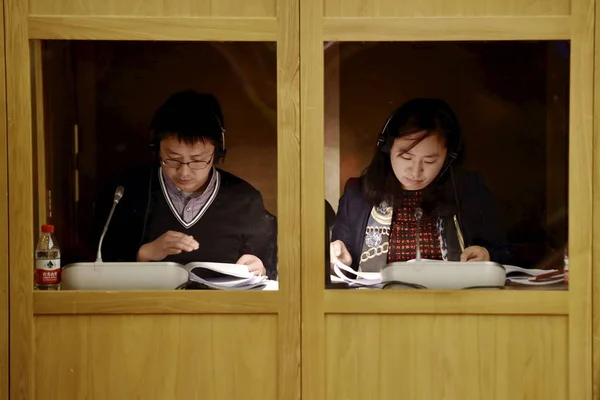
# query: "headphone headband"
{"points": [[220, 151], [385, 139], [187, 114]]}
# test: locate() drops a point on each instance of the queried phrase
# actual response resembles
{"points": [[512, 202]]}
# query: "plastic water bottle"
{"points": [[47, 261]]}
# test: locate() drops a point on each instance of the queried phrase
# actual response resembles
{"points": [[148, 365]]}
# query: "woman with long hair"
{"points": [[413, 183]]}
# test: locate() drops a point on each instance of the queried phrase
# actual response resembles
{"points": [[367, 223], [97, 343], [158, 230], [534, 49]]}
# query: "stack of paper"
{"points": [[225, 276], [364, 279], [525, 276]]}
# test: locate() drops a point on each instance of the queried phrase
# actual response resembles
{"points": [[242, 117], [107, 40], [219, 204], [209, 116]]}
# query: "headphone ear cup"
{"points": [[384, 143], [454, 154], [154, 152], [385, 140], [219, 156], [154, 146], [221, 152], [381, 139]]}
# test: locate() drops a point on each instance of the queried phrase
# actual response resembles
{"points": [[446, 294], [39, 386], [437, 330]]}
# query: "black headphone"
{"points": [[219, 156], [220, 150], [385, 139]]}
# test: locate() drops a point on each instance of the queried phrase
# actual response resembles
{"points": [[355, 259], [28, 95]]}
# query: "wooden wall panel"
{"points": [[312, 182], [155, 8], [596, 219], [162, 354], [20, 199], [581, 206], [4, 328], [156, 357], [352, 368], [443, 8], [446, 357], [288, 199]]}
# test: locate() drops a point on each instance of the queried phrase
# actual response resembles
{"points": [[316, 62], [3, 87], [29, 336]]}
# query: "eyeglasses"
{"points": [[171, 163]]}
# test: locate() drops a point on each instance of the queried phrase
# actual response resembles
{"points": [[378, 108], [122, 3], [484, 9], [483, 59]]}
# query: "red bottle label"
{"points": [[47, 272]]}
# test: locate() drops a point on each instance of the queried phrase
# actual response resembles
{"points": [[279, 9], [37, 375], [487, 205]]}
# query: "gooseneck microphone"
{"points": [[118, 195], [418, 216]]}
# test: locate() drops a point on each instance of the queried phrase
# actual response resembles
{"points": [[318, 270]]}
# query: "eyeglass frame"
{"points": [[206, 163]]}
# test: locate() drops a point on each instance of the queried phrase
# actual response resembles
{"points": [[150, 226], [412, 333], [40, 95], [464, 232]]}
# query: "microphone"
{"points": [[118, 195], [418, 216]]}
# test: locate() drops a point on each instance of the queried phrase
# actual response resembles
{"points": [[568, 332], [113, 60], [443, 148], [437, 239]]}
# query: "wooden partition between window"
{"points": [[4, 345]]}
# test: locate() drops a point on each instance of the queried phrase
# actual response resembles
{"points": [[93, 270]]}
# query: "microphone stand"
{"points": [[118, 195], [418, 216]]}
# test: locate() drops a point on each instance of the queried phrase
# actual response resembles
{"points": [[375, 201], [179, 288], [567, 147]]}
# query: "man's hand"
{"points": [[254, 264], [167, 244]]}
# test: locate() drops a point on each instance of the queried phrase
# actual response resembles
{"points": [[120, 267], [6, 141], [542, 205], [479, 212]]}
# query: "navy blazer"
{"points": [[479, 217]]}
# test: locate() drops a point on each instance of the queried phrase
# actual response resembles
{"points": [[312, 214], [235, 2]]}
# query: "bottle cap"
{"points": [[47, 228]]}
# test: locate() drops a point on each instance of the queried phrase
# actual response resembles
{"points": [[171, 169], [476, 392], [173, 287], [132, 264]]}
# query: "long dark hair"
{"points": [[434, 117]]}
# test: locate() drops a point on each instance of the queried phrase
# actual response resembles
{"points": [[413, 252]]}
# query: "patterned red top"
{"points": [[402, 244]]}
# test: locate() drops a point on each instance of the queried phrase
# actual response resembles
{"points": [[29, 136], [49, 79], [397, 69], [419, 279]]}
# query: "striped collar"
{"points": [[216, 177]]}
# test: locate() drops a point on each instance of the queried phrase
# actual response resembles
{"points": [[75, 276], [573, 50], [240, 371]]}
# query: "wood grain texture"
{"points": [[581, 145], [447, 357], [312, 182], [443, 8], [152, 28], [447, 302], [446, 28], [351, 365], [284, 375], [596, 220], [156, 357], [155, 302], [4, 304], [156, 8], [288, 199], [20, 199], [491, 324]]}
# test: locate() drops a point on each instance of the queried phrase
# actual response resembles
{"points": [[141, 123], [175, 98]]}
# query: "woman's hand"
{"points": [[167, 244], [338, 251], [475, 253], [254, 264]]}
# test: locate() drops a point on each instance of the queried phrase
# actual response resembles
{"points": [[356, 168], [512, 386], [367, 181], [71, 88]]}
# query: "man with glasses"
{"points": [[187, 209]]}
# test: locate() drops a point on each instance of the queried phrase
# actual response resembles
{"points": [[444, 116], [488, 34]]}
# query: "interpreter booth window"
{"points": [[174, 143], [446, 165]]}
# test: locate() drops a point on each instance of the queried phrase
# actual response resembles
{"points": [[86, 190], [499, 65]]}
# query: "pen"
{"points": [[461, 240], [546, 275]]}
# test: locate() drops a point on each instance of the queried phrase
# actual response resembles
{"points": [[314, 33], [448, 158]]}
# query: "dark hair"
{"points": [[190, 117], [434, 117]]}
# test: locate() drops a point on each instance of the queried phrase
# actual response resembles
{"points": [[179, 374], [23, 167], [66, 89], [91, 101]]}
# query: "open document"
{"points": [[530, 276], [363, 279], [225, 276]]}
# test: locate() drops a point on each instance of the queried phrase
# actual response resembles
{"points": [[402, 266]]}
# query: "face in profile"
{"points": [[416, 166], [186, 178]]}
